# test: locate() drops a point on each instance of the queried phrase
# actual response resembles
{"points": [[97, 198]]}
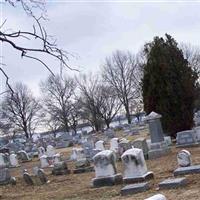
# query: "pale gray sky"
{"points": [[93, 30]]}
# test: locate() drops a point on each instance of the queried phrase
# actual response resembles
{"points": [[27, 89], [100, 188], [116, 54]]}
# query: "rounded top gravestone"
{"points": [[184, 158]]}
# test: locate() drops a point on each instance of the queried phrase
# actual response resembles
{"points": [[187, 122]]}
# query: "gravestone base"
{"points": [[195, 169], [134, 188], [187, 145], [83, 170], [145, 177], [172, 183], [158, 150], [107, 181]]}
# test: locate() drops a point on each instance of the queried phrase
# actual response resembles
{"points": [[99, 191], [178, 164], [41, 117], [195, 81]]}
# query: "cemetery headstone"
{"points": [[60, 168], [114, 145], [42, 176], [99, 145], [44, 161], [3, 163], [5, 176], [27, 178], [105, 169], [158, 146], [184, 158], [124, 145], [41, 151], [50, 151], [13, 160], [186, 138], [135, 168], [23, 156], [141, 143], [172, 183], [134, 188]]}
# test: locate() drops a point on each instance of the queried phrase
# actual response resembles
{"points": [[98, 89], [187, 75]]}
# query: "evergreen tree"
{"points": [[169, 84]]}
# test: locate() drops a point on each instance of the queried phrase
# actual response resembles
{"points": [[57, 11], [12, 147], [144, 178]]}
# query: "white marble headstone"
{"points": [[184, 158], [50, 151], [104, 163], [56, 158], [114, 144], [13, 160], [134, 163], [41, 151], [99, 145], [44, 162]]}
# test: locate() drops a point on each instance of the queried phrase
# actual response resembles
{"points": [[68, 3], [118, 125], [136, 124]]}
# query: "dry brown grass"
{"points": [[77, 186]]}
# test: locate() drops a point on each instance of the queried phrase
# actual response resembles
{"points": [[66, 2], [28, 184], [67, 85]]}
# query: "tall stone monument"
{"points": [[158, 146]]}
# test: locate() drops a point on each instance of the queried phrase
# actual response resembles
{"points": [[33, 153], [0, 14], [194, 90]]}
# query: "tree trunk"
{"points": [[128, 116]]}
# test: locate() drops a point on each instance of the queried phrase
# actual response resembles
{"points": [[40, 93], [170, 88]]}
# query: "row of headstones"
{"points": [[135, 170]]}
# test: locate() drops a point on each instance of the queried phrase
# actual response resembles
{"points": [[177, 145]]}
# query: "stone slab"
{"points": [[134, 188], [157, 197], [145, 177], [157, 153], [107, 181], [172, 183], [83, 170], [195, 169]]}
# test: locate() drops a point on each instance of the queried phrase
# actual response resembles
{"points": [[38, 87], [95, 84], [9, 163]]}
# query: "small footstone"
{"points": [[195, 169], [134, 188], [157, 197], [172, 183]]}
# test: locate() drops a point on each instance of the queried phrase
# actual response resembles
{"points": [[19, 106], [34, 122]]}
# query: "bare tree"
{"points": [[20, 110], [192, 54], [122, 72], [110, 104], [91, 100], [58, 94], [46, 45]]}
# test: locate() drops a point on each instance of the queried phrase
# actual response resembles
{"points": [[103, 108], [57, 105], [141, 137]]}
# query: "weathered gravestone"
{"points": [[197, 131], [41, 151], [3, 162], [110, 133], [27, 178], [23, 156], [172, 183], [60, 168], [13, 160], [158, 146], [134, 188], [124, 145], [184, 158], [50, 151], [186, 138], [157, 197], [57, 158], [44, 161], [114, 145], [141, 143], [42, 176], [5, 177], [99, 145], [105, 169], [135, 168]]}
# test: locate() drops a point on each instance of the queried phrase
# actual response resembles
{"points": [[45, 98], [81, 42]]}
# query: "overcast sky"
{"points": [[93, 30]]}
